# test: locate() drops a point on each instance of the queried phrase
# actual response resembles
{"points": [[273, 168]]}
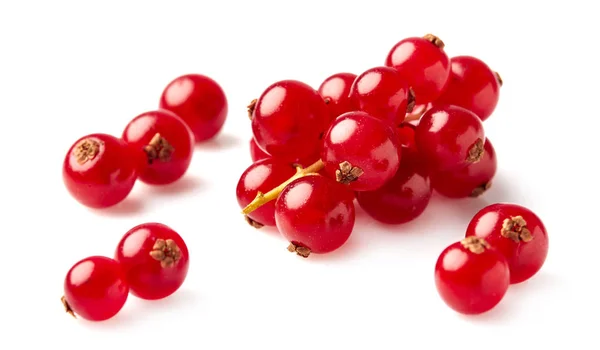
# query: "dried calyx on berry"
{"points": [[86, 150], [158, 148], [166, 251], [515, 228]]}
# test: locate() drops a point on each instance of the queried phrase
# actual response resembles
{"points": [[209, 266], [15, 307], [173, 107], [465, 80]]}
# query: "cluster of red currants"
{"points": [[387, 138], [151, 261], [156, 147]]}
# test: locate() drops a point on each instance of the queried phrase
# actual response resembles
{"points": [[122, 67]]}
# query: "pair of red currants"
{"points": [[156, 147], [151, 262]]}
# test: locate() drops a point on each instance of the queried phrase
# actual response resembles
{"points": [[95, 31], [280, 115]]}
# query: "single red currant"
{"points": [[155, 260], [360, 151], [315, 214], [199, 101], [404, 197], [471, 277], [424, 65], [472, 180], [262, 176], [472, 85], [95, 289], [450, 137], [406, 135], [335, 90], [289, 119], [256, 153], [517, 233], [166, 144], [383, 93], [100, 170]]}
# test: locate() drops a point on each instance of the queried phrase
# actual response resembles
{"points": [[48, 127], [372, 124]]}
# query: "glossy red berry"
{"points": [[471, 277], [155, 260], [256, 153], [360, 151], [424, 65], [262, 176], [384, 93], [100, 170], [289, 119], [315, 214], [472, 85], [517, 233], [406, 135], [401, 199], [470, 181], [335, 90], [165, 143], [199, 101], [95, 289], [450, 137]]}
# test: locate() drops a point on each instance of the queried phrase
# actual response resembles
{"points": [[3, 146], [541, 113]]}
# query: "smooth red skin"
{"points": [[471, 283], [140, 131], [335, 90], [406, 135], [262, 176], [256, 153], [404, 197], [471, 85], [95, 288], [460, 183], [366, 142], [105, 180], [289, 119], [424, 66], [199, 101], [445, 135], [315, 212], [382, 92], [524, 258], [146, 278]]}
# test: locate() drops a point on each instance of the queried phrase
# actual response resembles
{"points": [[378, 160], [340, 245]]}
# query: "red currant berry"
{"points": [[288, 120], [199, 101], [95, 289], [335, 90], [424, 65], [100, 170], [472, 85], [471, 277], [262, 176], [360, 151], [256, 153], [167, 144], [406, 135], [315, 214], [383, 93], [403, 198], [470, 181], [155, 260], [517, 233], [450, 137]]}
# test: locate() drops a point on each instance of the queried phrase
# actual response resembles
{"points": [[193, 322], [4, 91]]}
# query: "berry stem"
{"points": [[261, 199], [67, 307]]}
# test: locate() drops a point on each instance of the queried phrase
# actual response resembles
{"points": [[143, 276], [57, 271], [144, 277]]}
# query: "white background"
{"points": [[72, 68]]}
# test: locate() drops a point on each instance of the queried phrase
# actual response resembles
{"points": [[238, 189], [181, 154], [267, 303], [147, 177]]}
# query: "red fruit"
{"points": [[517, 233], [315, 214], [424, 65], [406, 135], [256, 153], [155, 260], [470, 181], [199, 101], [403, 198], [335, 90], [95, 289], [472, 85], [360, 151], [383, 93], [167, 144], [262, 176], [288, 120], [449, 138], [471, 277], [100, 170]]}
